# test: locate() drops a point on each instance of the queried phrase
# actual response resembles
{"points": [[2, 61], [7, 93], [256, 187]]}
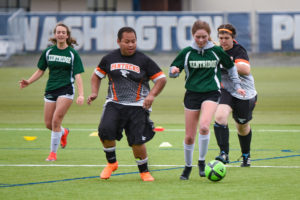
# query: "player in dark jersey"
{"points": [[201, 62], [64, 66], [128, 102], [241, 107]]}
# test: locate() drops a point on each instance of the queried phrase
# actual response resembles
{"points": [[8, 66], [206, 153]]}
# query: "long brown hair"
{"points": [[70, 40], [199, 24]]}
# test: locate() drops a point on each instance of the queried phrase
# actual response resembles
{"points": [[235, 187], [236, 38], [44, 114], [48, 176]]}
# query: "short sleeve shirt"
{"points": [[239, 55], [128, 76], [202, 68], [63, 65]]}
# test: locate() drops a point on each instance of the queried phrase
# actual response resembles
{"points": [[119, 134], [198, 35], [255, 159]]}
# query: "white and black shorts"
{"points": [[194, 100], [133, 119], [65, 91], [241, 109]]}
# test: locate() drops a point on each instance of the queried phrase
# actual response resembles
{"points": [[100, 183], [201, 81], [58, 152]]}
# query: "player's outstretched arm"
{"points": [[79, 83], [95, 85], [35, 76]]}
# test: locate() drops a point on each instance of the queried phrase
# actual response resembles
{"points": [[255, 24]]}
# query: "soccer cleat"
{"points": [[108, 170], [223, 157], [201, 165], [51, 157], [246, 160], [186, 173], [63, 140], [146, 176]]}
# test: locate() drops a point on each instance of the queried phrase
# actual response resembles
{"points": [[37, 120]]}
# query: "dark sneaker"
{"points": [[186, 173], [223, 157], [201, 165], [246, 160]]}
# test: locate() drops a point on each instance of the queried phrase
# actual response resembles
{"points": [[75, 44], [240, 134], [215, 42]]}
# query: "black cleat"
{"points": [[223, 157], [246, 160], [186, 173], [201, 165]]}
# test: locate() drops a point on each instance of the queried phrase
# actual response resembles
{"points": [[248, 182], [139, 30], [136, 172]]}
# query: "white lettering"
{"points": [[48, 27], [90, 33], [31, 33], [166, 24], [55, 58], [146, 33], [297, 32], [183, 30], [75, 23], [282, 29], [111, 28]]}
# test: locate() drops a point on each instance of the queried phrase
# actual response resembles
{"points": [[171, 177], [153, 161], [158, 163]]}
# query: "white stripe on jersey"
{"points": [[159, 77], [99, 73]]}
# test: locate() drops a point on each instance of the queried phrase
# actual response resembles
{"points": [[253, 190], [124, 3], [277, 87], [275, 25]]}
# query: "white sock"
{"points": [[62, 130], [203, 145], [188, 154], [55, 140]]}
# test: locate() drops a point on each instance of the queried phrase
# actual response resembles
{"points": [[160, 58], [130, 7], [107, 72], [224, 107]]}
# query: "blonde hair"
{"points": [[70, 40]]}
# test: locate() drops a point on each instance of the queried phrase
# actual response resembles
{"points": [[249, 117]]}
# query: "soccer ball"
{"points": [[215, 170]]}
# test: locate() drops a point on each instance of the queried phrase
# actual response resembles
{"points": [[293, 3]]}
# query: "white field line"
{"points": [[53, 165], [166, 130]]}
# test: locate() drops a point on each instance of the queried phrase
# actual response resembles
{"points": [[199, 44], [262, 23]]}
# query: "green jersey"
{"points": [[202, 67], [63, 66]]}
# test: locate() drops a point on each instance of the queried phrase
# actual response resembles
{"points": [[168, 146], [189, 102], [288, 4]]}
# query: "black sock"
{"points": [[245, 142], [222, 136], [142, 165], [110, 154]]}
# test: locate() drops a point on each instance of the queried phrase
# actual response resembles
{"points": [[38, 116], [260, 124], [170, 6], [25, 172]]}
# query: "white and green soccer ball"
{"points": [[215, 170]]}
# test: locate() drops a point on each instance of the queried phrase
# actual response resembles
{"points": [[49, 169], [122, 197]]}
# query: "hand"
{"points": [[241, 92], [175, 70], [148, 101], [23, 83], [91, 98], [80, 100]]}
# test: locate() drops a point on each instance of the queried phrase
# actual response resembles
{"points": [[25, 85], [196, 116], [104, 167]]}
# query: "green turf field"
{"points": [[24, 174]]}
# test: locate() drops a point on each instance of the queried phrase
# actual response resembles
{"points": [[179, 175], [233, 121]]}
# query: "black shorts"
{"points": [[241, 109], [133, 119], [65, 91], [194, 100]]}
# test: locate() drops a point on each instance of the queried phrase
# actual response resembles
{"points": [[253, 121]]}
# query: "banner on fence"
{"points": [[160, 32]]}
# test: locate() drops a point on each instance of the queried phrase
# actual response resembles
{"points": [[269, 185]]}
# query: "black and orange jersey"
{"points": [[128, 76], [238, 54]]}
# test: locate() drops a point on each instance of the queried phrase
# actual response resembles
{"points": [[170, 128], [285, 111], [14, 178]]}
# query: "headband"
{"points": [[226, 30]]}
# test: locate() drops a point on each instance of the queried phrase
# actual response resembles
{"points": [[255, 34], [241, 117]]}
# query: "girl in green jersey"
{"points": [[64, 66], [201, 62]]}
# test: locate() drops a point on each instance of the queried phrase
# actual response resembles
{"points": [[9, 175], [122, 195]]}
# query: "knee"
{"points": [[221, 120], [243, 129], [189, 140], [49, 126], [204, 130]]}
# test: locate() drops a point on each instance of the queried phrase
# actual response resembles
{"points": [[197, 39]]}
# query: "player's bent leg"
{"points": [[140, 154], [222, 131], [110, 152], [245, 136]]}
